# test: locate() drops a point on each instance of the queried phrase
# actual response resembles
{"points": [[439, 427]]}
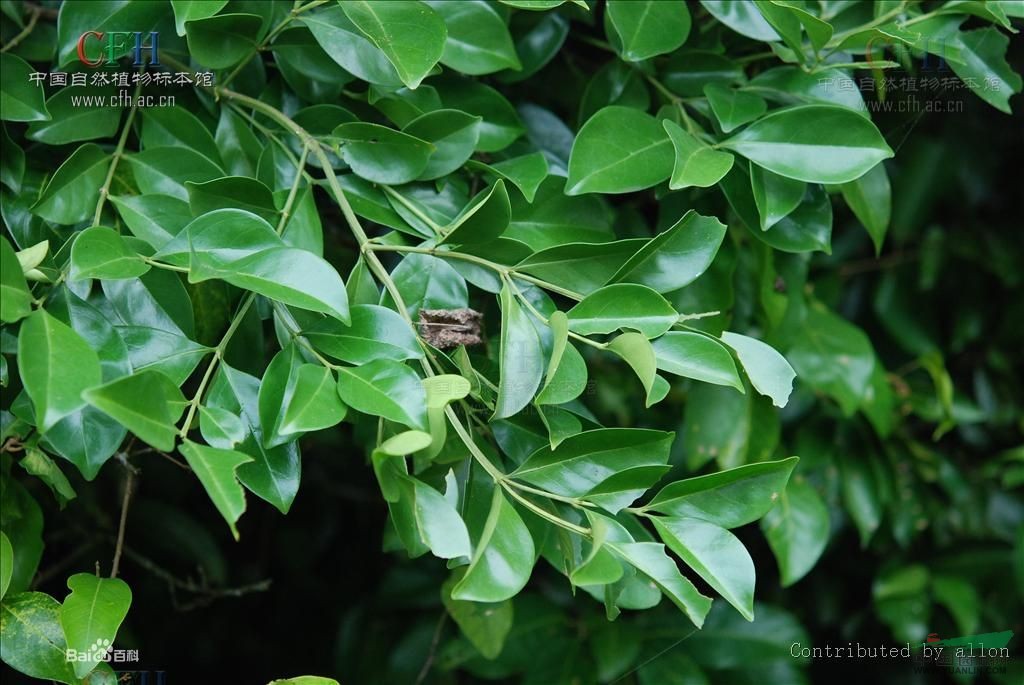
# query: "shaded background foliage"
{"points": [[925, 524]]}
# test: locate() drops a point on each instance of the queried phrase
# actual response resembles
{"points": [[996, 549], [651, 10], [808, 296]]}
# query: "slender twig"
{"points": [[129, 484], [116, 157], [434, 642], [33, 18]]}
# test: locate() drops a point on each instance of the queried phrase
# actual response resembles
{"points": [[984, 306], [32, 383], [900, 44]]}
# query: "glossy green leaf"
{"points": [[215, 469], [15, 298], [522, 358], [696, 164], [20, 98], [675, 257], [716, 555], [768, 371], [985, 66], [649, 27], [775, 196], [502, 558], [153, 218], [101, 252], [526, 173], [187, 10], [619, 150], [33, 638], [375, 333], [6, 563], [429, 283], [148, 404], [223, 41], [697, 356], [387, 389], [381, 154], [70, 195], [92, 613], [408, 32], [813, 143], [835, 357], [56, 365], [485, 218], [453, 135], [797, 531], [439, 524], [650, 559], [636, 350], [176, 126], [623, 305], [500, 123], [347, 46], [733, 108], [166, 170], [729, 498], [235, 192], [742, 17], [486, 625], [583, 267], [870, 199], [73, 119], [478, 40], [220, 427]]}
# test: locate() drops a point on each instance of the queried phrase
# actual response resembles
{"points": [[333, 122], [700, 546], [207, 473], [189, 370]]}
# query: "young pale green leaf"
{"points": [[33, 638], [522, 357], [6, 563], [56, 365], [834, 356], [599, 566], [675, 257], [502, 559], [636, 350], [189, 10], [20, 98], [775, 196], [716, 555], [584, 461], [648, 28], [148, 404], [650, 559], [478, 40], [70, 195], [375, 333], [440, 391], [408, 32], [215, 469], [733, 108], [387, 389], [623, 305], [92, 612], [223, 41], [768, 371], [797, 531], [485, 625], [697, 356], [696, 164], [619, 150], [381, 154], [101, 252], [15, 298], [485, 218], [870, 199], [37, 463], [439, 524], [813, 143], [729, 498]]}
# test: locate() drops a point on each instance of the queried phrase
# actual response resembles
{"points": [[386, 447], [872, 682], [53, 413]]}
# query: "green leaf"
{"points": [[223, 235], [860, 493], [696, 164], [56, 365], [729, 498], [485, 625], [166, 170], [20, 98], [813, 143], [583, 462], [500, 123], [454, 136], [220, 427], [478, 40], [675, 257], [408, 32], [697, 356], [15, 298], [566, 375], [650, 559], [427, 282], [153, 218], [73, 118], [619, 150], [306, 400], [6, 563], [223, 41], [33, 639], [237, 192], [636, 351], [743, 17], [797, 531], [92, 613], [148, 404], [188, 10], [439, 524], [347, 46], [42, 467], [583, 267], [522, 358], [100, 252], [375, 333], [768, 371], [775, 196], [485, 218], [623, 305], [215, 469], [733, 108], [649, 27], [286, 274], [870, 199], [387, 389], [985, 68], [70, 194], [502, 559], [177, 127], [835, 357], [526, 173], [716, 555], [381, 154]]}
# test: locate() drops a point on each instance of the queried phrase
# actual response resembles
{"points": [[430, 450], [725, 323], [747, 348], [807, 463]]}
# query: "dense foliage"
{"points": [[523, 287]]}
